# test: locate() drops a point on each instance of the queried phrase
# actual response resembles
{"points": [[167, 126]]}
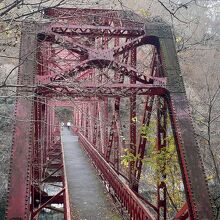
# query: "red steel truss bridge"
{"points": [[119, 75]]}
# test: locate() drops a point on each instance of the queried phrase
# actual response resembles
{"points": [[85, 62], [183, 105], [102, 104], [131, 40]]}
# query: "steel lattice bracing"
{"points": [[119, 75]]}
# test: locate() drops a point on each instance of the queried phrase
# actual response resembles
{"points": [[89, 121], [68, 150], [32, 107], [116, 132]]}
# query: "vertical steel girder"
{"points": [[198, 198], [47, 158], [133, 130], [33, 144], [80, 50], [22, 146], [161, 144]]}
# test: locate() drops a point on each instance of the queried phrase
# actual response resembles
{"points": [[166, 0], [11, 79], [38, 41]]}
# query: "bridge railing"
{"points": [[129, 200]]}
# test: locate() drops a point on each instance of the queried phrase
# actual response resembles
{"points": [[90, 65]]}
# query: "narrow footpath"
{"points": [[88, 197]]}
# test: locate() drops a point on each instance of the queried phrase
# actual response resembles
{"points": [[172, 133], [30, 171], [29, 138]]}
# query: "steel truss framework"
{"points": [[93, 56]]}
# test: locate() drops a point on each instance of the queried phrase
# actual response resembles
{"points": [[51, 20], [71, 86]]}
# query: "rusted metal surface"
{"points": [[20, 166], [161, 144], [47, 160], [193, 172], [93, 57], [198, 198]]}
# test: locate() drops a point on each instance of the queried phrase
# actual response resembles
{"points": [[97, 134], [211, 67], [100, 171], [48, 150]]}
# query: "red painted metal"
{"points": [[133, 120], [20, 169], [89, 60], [49, 201], [161, 144], [67, 212], [183, 214], [127, 197]]}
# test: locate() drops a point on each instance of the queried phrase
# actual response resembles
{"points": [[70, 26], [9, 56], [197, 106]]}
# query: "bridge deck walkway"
{"points": [[88, 197]]}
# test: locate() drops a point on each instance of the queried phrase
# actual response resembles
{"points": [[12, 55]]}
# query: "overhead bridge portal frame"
{"points": [[92, 56]]}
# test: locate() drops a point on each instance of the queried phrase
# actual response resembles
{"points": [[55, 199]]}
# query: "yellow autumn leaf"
{"points": [[210, 177], [179, 39], [144, 12]]}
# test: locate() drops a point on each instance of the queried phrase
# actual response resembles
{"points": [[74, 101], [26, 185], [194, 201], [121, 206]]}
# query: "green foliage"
{"points": [[128, 157], [64, 114], [161, 165], [148, 132], [165, 167]]}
